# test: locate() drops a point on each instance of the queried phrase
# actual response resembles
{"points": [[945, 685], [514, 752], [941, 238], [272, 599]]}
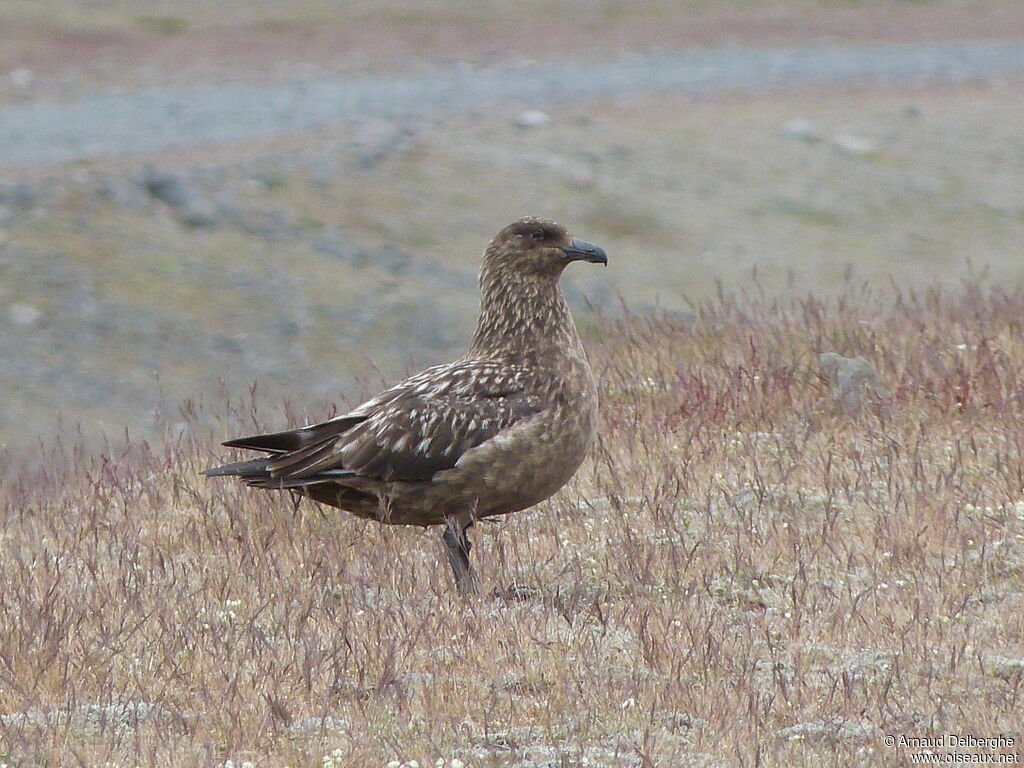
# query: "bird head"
{"points": [[533, 246]]}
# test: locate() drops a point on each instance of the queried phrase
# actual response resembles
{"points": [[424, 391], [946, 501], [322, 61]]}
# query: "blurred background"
{"points": [[195, 196]]}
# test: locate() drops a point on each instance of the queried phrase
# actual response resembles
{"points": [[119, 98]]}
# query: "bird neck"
{"points": [[523, 316]]}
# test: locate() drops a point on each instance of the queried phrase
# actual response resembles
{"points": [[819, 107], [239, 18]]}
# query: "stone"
{"points": [[23, 315], [850, 378], [409, 683], [21, 78], [799, 129], [854, 146], [191, 207], [375, 140], [311, 726], [19, 195], [123, 192], [532, 118], [1004, 667]]}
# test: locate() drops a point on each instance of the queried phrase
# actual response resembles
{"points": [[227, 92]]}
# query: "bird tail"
{"points": [[251, 469], [290, 451], [256, 472], [295, 439]]}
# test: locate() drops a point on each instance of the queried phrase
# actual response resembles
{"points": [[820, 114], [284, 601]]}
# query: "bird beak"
{"points": [[581, 249]]}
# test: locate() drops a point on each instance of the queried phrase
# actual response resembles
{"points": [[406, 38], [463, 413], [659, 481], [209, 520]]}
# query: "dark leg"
{"points": [[457, 542]]}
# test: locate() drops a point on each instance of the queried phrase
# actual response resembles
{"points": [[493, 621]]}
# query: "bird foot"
{"points": [[457, 548]]}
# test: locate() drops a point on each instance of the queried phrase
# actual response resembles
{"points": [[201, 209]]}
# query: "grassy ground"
{"points": [[741, 574]]}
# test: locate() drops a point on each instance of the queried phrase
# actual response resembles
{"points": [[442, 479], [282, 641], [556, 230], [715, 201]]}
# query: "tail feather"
{"points": [[256, 472], [251, 468], [294, 439], [277, 442], [282, 483]]}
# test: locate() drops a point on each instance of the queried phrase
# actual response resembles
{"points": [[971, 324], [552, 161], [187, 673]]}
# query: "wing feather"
{"points": [[303, 462], [408, 433]]}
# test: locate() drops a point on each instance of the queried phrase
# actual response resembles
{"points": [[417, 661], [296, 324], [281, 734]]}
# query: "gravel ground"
{"points": [[125, 123]]}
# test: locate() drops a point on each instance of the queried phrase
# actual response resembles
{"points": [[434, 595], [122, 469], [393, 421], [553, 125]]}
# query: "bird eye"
{"points": [[537, 234]]}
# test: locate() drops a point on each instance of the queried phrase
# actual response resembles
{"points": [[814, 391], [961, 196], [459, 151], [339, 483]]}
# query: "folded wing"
{"points": [[408, 433]]}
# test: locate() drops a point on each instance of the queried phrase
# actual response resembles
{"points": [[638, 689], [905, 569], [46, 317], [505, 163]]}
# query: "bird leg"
{"points": [[458, 546]]}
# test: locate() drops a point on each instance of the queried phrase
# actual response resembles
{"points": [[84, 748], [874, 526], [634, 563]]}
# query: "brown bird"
{"points": [[497, 431]]}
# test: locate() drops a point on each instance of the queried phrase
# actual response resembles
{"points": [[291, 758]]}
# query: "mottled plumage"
{"points": [[494, 432]]}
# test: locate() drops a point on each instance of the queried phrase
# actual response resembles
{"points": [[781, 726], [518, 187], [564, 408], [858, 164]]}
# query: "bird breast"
{"points": [[531, 460]]}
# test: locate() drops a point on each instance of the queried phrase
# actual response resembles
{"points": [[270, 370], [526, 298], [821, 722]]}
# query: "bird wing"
{"points": [[413, 430]]}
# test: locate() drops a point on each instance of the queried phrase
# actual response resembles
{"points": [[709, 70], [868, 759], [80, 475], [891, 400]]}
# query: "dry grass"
{"points": [[737, 558]]}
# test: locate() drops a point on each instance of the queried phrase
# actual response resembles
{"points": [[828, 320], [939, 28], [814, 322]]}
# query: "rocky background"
{"points": [[194, 199]]}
